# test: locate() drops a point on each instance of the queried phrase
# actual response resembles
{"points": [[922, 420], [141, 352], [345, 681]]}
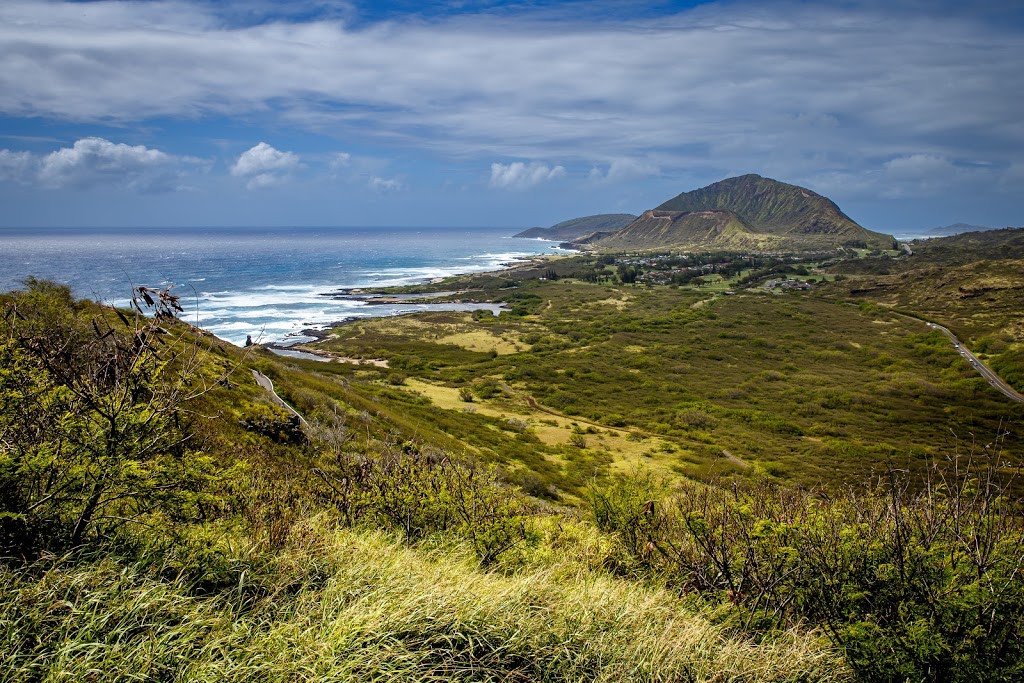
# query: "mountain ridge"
{"points": [[575, 228], [746, 212]]}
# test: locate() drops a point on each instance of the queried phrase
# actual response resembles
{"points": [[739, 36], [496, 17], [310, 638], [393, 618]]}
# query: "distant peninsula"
{"points": [[743, 213], [576, 228]]}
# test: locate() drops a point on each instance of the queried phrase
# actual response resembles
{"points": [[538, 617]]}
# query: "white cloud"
{"points": [[339, 160], [263, 158], [621, 170], [18, 167], [96, 162], [262, 180], [791, 88], [265, 166], [385, 184], [519, 176]]}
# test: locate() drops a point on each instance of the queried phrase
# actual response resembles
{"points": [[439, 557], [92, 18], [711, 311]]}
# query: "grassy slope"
{"points": [[719, 229], [299, 599], [360, 606], [970, 283], [270, 586]]}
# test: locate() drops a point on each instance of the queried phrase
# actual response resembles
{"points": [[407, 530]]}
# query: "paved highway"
{"points": [[993, 379]]}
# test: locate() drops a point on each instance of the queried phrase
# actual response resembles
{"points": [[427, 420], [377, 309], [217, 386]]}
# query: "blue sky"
{"points": [[909, 114]]}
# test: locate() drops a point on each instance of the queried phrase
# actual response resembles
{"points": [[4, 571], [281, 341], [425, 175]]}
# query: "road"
{"points": [[993, 379], [265, 382]]}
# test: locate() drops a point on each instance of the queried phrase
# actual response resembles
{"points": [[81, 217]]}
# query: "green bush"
{"points": [[420, 492], [915, 580], [486, 388], [94, 431]]}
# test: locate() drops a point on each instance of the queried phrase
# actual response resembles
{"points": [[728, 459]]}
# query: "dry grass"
{"points": [[484, 340], [627, 450], [451, 328], [349, 606]]}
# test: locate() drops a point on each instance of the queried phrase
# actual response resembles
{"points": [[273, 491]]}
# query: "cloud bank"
{"points": [[861, 100], [96, 162], [519, 175]]}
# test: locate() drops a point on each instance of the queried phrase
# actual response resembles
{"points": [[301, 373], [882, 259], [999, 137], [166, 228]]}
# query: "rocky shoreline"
{"points": [[386, 296]]}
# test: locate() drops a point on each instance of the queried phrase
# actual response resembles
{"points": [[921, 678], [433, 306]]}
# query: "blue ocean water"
{"points": [[265, 282]]}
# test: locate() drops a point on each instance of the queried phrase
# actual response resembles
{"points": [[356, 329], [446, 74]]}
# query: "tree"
{"points": [[93, 433]]}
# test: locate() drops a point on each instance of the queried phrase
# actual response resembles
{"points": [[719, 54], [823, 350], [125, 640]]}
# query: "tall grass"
{"points": [[344, 605]]}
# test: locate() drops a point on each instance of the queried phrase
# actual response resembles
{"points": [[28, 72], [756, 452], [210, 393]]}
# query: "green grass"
{"points": [[360, 606], [814, 389]]}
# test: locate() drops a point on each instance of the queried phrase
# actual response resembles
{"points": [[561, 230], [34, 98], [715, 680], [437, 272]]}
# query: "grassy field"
{"points": [[801, 386]]}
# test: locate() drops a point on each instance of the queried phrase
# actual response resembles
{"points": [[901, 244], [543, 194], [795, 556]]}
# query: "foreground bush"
{"points": [[93, 431], [914, 584], [421, 492]]}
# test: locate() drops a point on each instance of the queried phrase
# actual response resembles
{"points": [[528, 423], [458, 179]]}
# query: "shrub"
{"points": [[914, 580], [94, 431], [275, 423], [487, 388], [421, 492]]}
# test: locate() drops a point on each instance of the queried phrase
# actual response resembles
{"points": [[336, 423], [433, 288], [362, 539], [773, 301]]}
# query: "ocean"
{"points": [[265, 282]]}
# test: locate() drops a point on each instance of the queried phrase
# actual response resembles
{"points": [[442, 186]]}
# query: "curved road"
{"points": [[993, 379], [265, 382]]}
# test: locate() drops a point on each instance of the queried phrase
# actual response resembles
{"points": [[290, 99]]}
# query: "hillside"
{"points": [[579, 227], [211, 536], [956, 229], [969, 282], [960, 249], [523, 497], [714, 230], [763, 214]]}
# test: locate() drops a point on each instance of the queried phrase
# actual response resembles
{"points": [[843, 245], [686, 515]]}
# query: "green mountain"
{"points": [[713, 229], [579, 227], [747, 212]]}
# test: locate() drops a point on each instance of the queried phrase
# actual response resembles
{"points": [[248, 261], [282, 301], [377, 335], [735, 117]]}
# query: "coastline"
{"points": [[378, 296], [266, 283]]}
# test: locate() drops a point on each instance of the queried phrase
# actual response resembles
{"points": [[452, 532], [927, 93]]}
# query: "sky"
{"points": [[909, 114]]}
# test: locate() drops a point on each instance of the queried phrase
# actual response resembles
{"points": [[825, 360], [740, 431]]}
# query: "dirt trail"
{"points": [[732, 458]]}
